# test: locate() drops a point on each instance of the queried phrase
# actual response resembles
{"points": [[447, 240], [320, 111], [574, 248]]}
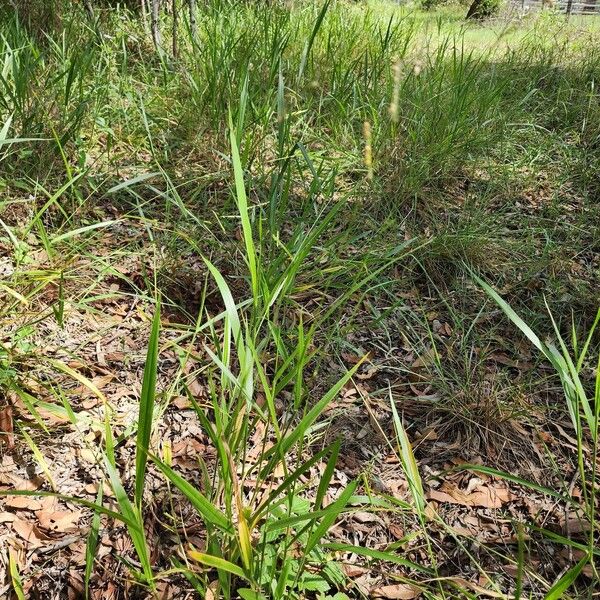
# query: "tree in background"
{"points": [[483, 9], [155, 26]]}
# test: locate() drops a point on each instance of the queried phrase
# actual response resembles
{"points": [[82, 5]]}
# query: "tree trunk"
{"points": [[175, 27], [155, 25], [193, 22], [473, 9]]}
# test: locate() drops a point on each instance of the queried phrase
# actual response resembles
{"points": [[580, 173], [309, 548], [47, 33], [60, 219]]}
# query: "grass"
{"points": [[294, 244]]}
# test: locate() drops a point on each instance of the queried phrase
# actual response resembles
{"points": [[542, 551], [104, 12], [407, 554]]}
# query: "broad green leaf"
{"points": [[327, 475], [248, 594], [242, 203], [230, 306], [332, 513]]}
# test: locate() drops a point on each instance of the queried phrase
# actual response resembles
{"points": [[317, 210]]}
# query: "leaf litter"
{"points": [[105, 343]]}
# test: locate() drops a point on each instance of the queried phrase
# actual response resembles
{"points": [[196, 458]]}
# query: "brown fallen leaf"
{"points": [[440, 497], [427, 358], [490, 497], [29, 532], [396, 591], [369, 374], [354, 570], [481, 592], [485, 496], [511, 570], [396, 531], [366, 517], [181, 402], [58, 521], [211, 590], [6, 517], [6, 423], [354, 359], [76, 587], [588, 571], [18, 483], [22, 503], [47, 415], [196, 388], [573, 525]]}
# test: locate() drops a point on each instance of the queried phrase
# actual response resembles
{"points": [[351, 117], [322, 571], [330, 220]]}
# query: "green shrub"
{"points": [[432, 4]]}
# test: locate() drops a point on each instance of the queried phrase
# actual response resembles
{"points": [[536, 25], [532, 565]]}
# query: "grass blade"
{"points": [[75, 232], [242, 204], [558, 590], [218, 563], [409, 464], [311, 39], [135, 524], [332, 513], [378, 555], [17, 584], [207, 510], [284, 446], [146, 409]]}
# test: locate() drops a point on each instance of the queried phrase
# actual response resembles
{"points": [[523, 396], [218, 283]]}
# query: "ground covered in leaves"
{"points": [[127, 205], [105, 340]]}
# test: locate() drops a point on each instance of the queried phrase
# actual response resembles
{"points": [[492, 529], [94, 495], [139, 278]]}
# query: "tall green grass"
{"points": [[315, 75]]}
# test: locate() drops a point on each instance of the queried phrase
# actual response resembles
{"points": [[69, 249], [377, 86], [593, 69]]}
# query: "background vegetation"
{"points": [[291, 240]]}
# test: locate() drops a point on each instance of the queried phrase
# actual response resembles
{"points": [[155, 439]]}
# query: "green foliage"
{"points": [[584, 409], [245, 156], [432, 4], [448, 110]]}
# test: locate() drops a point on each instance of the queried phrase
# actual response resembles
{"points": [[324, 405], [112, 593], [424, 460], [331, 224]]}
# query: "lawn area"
{"points": [[300, 303]]}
